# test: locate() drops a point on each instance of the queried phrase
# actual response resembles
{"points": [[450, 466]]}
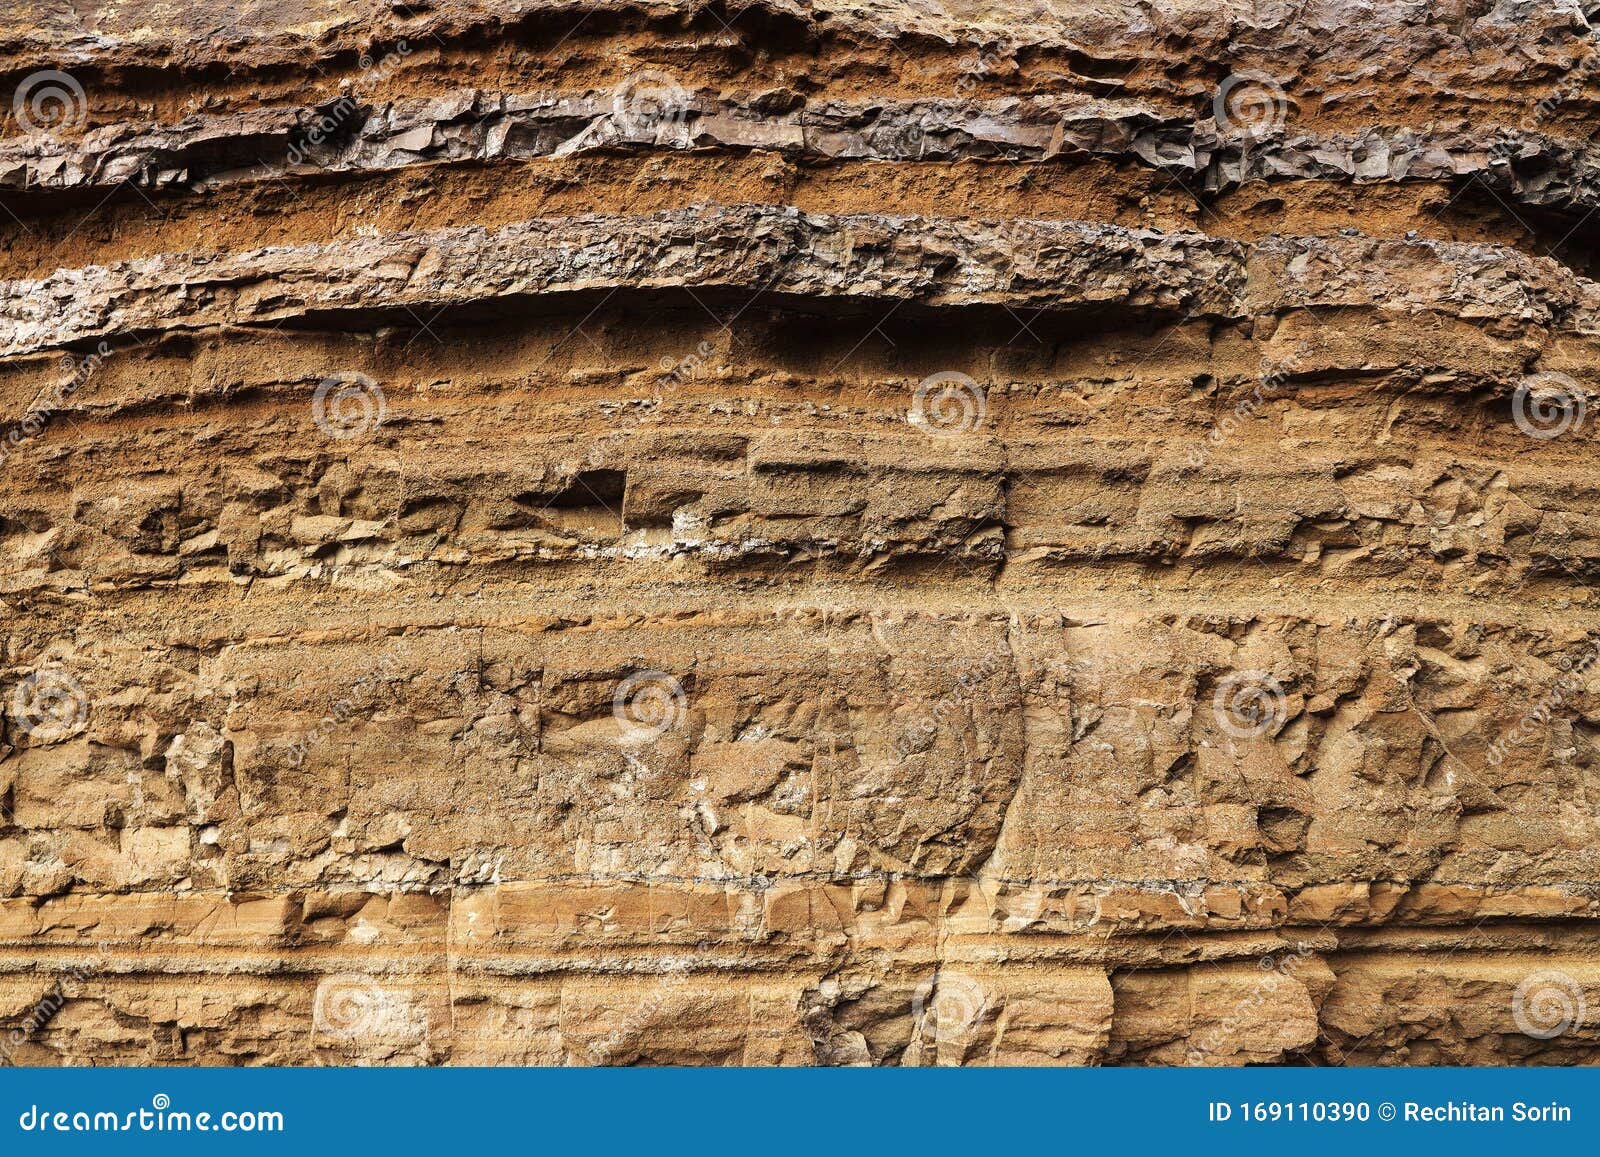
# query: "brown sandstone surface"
{"points": [[786, 532]]}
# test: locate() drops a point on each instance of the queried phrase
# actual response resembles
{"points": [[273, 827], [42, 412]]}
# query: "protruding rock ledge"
{"points": [[348, 136], [934, 262]]}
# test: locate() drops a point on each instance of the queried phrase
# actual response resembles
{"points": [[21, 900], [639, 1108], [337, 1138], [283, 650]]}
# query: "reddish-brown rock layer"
{"points": [[787, 533]]}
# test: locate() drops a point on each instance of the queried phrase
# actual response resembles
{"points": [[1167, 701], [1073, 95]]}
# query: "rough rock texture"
{"points": [[789, 532]]}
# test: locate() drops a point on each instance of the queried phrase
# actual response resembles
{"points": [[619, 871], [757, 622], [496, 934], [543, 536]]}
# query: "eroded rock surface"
{"points": [[798, 533]]}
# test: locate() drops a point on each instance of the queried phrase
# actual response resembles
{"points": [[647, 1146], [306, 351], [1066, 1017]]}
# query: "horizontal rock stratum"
{"points": [[797, 533]]}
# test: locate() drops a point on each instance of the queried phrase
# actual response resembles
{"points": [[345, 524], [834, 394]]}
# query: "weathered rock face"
{"points": [[795, 533]]}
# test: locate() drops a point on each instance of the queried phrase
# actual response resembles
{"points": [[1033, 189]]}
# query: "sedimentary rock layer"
{"points": [[790, 534], [347, 136]]}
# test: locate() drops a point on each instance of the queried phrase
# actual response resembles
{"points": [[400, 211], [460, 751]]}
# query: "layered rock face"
{"points": [[798, 533]]}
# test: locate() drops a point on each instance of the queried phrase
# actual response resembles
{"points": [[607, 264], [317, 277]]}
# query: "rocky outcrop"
{"points": [[347, 136], [796, 534]]}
